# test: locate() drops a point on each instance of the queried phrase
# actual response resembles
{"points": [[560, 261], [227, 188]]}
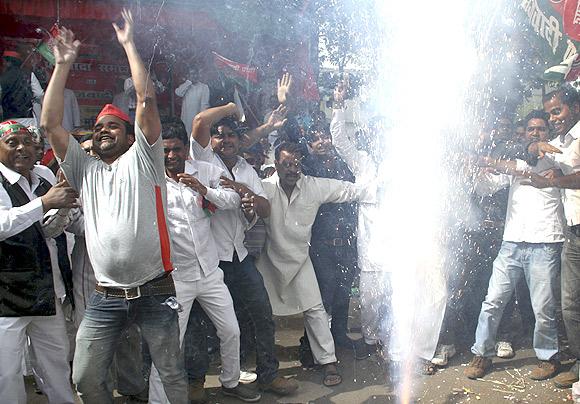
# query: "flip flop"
{"points": [[331, 376]]}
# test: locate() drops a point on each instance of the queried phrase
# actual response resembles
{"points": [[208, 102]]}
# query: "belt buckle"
{"points": [[337, 242], [127, 297]]}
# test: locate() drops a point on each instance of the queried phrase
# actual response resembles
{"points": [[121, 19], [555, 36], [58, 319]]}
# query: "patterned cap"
{"points": [[8, 127]]}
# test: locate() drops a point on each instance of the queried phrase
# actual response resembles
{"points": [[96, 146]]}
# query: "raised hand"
{"points": [[284, 87], [125, 34], [61, 195], [193, 183], [66, 48], [340, 91], [277, 118]]}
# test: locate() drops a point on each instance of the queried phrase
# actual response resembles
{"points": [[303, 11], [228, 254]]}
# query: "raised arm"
{"points": [[276, 120], [202, 123], [146, 112], [342, 143], [65, 53]]}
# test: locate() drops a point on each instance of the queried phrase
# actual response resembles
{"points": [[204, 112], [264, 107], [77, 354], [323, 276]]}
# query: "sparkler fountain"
{"points": [[426, 89]]}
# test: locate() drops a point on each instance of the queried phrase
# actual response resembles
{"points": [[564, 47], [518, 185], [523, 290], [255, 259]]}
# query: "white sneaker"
{"points": [[504, 350], [247, 377], [442, 354]]}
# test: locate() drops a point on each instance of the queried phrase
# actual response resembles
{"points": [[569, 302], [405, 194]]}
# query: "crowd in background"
{"points": [[134, 251]]}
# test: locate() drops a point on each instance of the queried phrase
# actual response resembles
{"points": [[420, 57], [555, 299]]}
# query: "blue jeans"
{"points": [[103, 324], [571, 290], [540, 264]]}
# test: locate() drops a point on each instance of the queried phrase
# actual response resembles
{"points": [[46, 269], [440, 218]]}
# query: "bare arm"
{"points": [[65, 52], [276, 121], [202, 123], [146, 113], [571, 181]]}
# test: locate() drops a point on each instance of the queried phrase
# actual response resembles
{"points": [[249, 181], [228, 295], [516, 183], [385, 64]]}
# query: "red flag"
{"points": [[246, 72], [309, 88]]}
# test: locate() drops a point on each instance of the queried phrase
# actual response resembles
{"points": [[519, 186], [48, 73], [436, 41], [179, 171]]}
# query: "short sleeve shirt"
{"points": [[125, 208]]}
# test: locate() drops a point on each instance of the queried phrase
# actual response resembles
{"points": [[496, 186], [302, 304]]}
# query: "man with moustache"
{"points": [[563, 106], [191, 186], [31, 285], [531, 247], [124, 197], [333, 245], [285, 263], [216, 139]]}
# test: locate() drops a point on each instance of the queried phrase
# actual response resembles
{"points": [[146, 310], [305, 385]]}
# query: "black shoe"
{"points": [[243, 393], [362, 350]]}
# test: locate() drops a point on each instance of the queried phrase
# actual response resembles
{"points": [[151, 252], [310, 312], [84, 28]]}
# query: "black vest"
{"points": [[26, 283]]}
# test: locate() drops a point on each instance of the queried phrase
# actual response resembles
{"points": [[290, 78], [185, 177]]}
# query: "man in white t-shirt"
{"points": [[124, 198]]}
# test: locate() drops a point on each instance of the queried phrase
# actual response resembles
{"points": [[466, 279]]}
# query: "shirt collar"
{"points": [[191, 168], [574, 133], [13, 177]]}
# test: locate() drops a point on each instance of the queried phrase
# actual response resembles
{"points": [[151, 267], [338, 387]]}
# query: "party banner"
{"points": [[556, 25]]}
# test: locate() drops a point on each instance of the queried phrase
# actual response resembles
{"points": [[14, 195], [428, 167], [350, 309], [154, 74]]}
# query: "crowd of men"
{"points": [[181, 226]]}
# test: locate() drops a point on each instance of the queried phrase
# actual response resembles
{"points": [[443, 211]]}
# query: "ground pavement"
{"points": [[366, 382]]}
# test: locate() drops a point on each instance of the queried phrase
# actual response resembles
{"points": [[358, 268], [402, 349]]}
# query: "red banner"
{"points": [[239, 69]]}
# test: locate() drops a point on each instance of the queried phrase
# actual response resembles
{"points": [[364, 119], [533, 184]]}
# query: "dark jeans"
{"points": [[571, 290], [335, 269], [249, 294], [103, 324]]}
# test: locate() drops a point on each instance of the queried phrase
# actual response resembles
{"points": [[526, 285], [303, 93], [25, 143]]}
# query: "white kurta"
{"points": [[285, 264], [370, 244], [195, 99]]}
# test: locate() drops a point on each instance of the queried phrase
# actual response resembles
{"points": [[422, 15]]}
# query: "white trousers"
{"points": [[49, 342], [215, 299], [375, 298], [317, 324]]}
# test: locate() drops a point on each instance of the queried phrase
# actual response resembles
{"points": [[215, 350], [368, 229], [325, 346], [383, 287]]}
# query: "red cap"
{"points": [[111, 109], [12, 54]]}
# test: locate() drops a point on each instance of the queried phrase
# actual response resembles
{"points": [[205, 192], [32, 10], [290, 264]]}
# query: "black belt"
{"points": [[158, 286], [575, 230]]}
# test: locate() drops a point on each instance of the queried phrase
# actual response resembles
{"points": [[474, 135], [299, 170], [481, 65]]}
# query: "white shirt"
{"points": [[285, 263], [569, 163], [229, 226], [533, 215], [71, 115], [194, 246], [195, 99], [370, 244], [14, 220]]}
